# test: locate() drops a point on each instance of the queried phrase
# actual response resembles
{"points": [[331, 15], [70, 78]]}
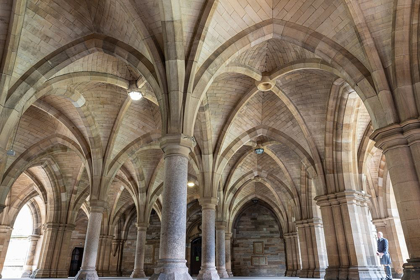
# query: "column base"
{"points": [[397, 275], [334, 273], [319, 273], [138, 274], [169, 269], [411, 269], [222, 273], [61, 274], [41, 273], [208, 273], [303, 273], [86, 275], [26, 274], [366, 273], [229, 272]]}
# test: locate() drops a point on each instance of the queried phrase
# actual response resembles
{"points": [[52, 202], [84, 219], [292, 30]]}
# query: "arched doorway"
{"points": [[258, 246], [195, 256], [76, 261], [19, 244]]}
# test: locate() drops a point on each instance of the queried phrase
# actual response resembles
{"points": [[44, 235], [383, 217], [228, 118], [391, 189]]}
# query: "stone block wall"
{"points": [[258, 249]]}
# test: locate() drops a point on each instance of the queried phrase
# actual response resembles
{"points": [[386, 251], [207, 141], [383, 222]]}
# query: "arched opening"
{"points": [[78, 237], [195, 262], [19, 244], [76, 261], [194, 237], [258, 245]]}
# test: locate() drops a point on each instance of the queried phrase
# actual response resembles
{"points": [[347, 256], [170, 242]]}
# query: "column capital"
{"points": [[98, 206], [290, 234], [228, 235], [397, 135], [4, 228], [177, 144], [34, 237], [51, 226], [346, 196], [208, 202], [221, 225], [309, 222], [142, 226], [381, 221]]}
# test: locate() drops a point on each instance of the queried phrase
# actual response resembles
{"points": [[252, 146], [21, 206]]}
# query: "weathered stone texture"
{"points": [[257, 224]]}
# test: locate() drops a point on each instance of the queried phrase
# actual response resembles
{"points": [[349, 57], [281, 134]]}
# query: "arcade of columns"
{"points": [[329, 89]]}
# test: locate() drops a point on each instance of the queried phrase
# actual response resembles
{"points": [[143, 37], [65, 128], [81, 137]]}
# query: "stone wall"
{"points": [[258, 249]]}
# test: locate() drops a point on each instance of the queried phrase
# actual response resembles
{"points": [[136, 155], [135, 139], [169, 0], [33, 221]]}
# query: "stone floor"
{"points": [[236, 278]]}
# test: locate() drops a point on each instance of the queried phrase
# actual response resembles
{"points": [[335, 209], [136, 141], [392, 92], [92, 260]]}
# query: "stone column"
{"points": [[88, 270], [349, 241], [114, 267], [320, 251], [49, 242], [306, 269], [208, 255], [405, 180], [289, 256], [292, 254], [62, 253], [104, 255], [401, 146], [221, 254], [171, 264], [5, 234], [33, 242], [312, 248], [228, 251], [188, 255], [138, 271]]}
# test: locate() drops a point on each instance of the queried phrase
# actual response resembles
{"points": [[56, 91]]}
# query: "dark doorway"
{"points": [[195, 256], [76, 261]]}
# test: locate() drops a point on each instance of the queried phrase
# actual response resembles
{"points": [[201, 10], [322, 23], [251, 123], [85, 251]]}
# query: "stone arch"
{"points": [[55, 143], [249, 233], [340, 128], [36, 216], [270, 132], [312, 41], [23, 90]]}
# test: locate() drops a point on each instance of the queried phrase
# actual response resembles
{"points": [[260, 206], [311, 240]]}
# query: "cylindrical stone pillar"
{"points": [[88, 270], [221, 255], [171, 264], [228, 258], [208, 256], [33, 242], [138, 271]]}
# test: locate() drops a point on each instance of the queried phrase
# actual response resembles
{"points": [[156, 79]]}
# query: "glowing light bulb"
{"points": [[135, 95]]}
